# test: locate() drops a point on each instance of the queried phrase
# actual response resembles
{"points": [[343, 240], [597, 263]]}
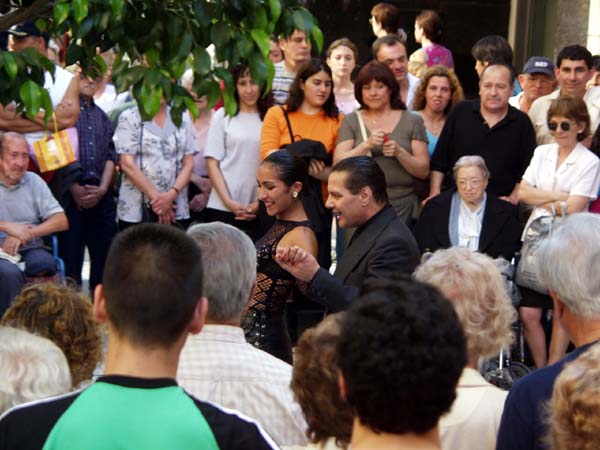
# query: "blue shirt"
{"points": [[96, 145], [523, 425]]}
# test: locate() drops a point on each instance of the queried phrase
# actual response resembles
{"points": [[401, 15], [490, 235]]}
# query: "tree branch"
{"points": [[33, 11]]}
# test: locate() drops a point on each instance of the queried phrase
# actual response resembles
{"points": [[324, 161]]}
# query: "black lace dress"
{"points": [[264, 324]]}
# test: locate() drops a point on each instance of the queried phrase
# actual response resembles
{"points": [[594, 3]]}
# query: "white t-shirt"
{"points": [[413, 84], [57, 88], [579, 174], [515, 101], [235, 142]]}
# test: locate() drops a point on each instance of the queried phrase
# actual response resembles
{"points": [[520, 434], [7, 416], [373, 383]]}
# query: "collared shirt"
{"points": [[475, 414], [218, 365], [96, 145], [469, 224], [539, 112], [413, 84], [28, 202], [506, 147], [515, 100], [579, 174]]}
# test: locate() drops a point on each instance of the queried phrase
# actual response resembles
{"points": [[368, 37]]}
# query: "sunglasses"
{"points": [[553, 126]]}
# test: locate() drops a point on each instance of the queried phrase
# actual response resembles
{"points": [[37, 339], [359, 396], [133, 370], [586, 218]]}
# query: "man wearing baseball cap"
{"points": [[573, 71], [63, 89], [537, 79]]}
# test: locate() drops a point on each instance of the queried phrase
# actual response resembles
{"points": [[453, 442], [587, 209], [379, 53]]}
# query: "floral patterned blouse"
{"points": [[161, 159]]}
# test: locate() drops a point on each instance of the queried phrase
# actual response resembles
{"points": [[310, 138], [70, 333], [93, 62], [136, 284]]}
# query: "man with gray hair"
{"points": [[568, 266], [31, 368], [218, 365]]}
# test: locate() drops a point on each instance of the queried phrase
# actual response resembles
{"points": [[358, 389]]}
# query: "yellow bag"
{"points": [[56, 150]]}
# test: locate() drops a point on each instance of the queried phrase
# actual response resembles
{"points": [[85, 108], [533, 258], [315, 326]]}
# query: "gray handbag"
{"points": [[536, 233]]}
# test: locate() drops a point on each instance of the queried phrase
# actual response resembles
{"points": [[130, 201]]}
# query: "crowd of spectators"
{"points": [[350, 299]]}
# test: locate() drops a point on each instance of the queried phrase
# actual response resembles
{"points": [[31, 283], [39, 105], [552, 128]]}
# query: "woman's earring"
{"points": [[295, 194]]}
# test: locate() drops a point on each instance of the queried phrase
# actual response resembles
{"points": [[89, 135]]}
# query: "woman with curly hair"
{"points": [[475, 287], [316, 389], [438, 92], [574, 411], [64, 316]]}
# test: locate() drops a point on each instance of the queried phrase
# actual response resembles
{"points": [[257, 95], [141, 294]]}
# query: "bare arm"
{"points": [[537, 197], [513, 197], [417, 163], [54, 223], [213, 167]]}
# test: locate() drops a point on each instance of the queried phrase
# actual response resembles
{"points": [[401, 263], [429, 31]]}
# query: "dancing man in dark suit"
{"points": [[381, 245]]}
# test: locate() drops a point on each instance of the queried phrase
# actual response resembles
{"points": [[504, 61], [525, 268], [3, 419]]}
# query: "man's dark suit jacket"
{"points": [[500, 230], [383, 246]]}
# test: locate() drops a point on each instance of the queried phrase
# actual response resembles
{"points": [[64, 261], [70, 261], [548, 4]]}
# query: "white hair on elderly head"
{"points": [[472, 282], [471, 161], [187, 79], [31, 368], [569, 261], [229, 264]]}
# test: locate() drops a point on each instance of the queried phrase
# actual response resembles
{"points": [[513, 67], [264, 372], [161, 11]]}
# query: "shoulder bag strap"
{"points": [[361, 124], [289, 125]]}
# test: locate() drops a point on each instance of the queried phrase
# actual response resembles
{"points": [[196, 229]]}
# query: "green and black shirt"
{"points": [[118, 412]]}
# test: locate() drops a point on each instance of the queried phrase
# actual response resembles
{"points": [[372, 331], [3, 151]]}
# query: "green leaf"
{"points": [[202, 63], [80, 10], [61, 12], [275, 7], [185, 45], [191, 105], [214, 93], [262, 40], [225, 75], [47, 105], [10, 65], [244, 46], [259, 18], [219, 34], [229, 101], [117, 6], [152, 77], [259, 70], [317, 36], [31, 94], [150, 99]]}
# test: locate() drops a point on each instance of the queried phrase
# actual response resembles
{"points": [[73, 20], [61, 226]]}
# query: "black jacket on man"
{"points": [[381, 247]]}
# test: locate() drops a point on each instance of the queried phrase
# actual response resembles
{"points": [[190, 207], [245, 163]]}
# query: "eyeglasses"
{"points": [[475, 182], [553, 126]]}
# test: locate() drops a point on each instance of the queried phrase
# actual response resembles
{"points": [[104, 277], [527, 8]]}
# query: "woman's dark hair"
{"points": [[571, 108], [431, 22], [307, 70], [595, 147], [379, 72], [290, 168], [265, 101], [388, 16], [456, 92]]}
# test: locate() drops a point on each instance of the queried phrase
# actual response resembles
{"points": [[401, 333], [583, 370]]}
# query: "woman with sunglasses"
{"points": [[564, 177]]}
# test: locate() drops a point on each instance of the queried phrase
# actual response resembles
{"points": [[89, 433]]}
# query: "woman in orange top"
{"points": [[313, 114]]}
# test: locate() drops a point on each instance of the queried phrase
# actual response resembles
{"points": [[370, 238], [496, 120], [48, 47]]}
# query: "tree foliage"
{"points": [[167, 36]]}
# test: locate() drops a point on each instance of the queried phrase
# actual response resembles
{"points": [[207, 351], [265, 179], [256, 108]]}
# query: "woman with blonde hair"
{"points": [[574, 411], [475, 287]]}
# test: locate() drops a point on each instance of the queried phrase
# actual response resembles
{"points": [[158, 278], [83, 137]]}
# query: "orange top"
{"points": [[317, 127]]}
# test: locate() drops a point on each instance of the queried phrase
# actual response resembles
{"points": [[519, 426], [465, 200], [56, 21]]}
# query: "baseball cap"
{"points": [[28, 28], [539, 64]]}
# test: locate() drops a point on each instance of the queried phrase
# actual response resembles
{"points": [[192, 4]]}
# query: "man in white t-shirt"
{"points": [[296, 51], [537, 79], [573, 71], [391, 51], [63, 90]]}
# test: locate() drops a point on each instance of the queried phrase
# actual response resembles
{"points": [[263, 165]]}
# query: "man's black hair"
{"points": [[401, 352], [575, 53], [152, 283], [363, 171]]}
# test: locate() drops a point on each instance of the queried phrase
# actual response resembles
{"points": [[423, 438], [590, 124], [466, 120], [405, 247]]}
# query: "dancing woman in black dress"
{"points": [[282, 180]]}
